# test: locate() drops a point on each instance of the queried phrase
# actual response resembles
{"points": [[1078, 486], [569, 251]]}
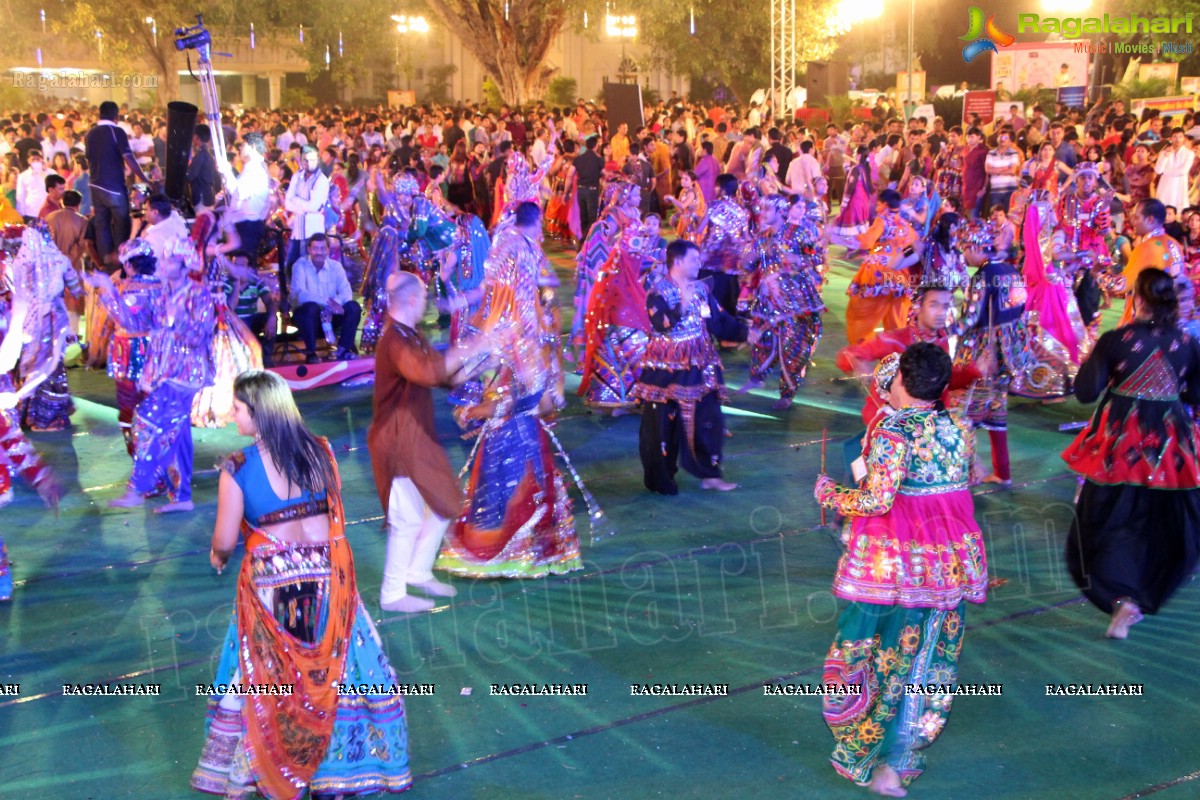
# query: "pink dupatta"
{"points": [[1049, 299]]}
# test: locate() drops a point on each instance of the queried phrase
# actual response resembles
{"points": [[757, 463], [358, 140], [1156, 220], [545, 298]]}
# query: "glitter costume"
{"points": [[617, 325], [620, 211], [879, 292], [914, 558], [1086, 223], [516, 520], [1058, 339], [786, 307], [681, 384], [40, 273], [993, 329], [129, 341], [725, 234], [179, 364], [413, 232], [17, 457], [299, 621], [234, 351]]}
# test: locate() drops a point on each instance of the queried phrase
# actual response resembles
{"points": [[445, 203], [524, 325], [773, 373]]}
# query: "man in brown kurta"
{"points": [[418, 489]]}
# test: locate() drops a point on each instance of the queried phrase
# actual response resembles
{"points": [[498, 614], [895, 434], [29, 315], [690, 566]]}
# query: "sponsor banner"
{"points": [[1073, 96], [1162, 71], [1167, 106], [1044, 65], [981, 103]]}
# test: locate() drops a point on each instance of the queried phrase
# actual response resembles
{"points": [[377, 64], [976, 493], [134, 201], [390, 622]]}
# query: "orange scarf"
{"points": [[288, 735]]}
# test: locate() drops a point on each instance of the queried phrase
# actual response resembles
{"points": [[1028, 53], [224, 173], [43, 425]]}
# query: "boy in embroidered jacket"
{"points": [[680, 382], [914, 559]]}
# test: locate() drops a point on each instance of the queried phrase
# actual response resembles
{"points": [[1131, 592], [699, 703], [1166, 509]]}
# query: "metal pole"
{"points": [[912, 13], [1094, 89]]}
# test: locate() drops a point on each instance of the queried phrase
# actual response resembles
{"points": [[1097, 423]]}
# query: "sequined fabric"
{"points": [[181, 340], [912, 539], [726, 231]]}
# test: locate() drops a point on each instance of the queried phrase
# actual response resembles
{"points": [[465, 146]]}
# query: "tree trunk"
{"points": [[512, 50]]}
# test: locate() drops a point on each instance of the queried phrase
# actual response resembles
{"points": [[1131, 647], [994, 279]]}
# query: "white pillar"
{"points": [[249, 91], [275, 88]]}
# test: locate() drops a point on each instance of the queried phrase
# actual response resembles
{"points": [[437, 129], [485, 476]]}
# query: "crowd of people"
{"points": [[982, 256]]}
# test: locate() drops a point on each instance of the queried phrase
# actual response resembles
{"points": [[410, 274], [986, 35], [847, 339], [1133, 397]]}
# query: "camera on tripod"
{"points": [[193, 38]]}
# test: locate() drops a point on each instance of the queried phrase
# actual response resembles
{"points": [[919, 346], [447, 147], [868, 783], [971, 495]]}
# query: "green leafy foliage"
{"points": [[562, 91]]}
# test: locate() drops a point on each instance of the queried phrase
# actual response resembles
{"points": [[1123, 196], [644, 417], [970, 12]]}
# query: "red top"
{"points": [[897, 341]]}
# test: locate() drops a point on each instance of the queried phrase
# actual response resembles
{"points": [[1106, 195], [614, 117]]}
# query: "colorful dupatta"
{"points": [[287, 736]]}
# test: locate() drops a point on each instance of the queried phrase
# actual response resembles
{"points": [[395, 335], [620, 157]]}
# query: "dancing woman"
{"points": [[855, 215], [516, 521], [786, 310], [690, 208], [1135, 536], [298, 622], [914, 559]]}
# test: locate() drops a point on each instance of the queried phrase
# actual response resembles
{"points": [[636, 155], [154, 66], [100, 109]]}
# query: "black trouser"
{"points": [[250, 234], [725, 289], [112, 221], [663, 442], [308, 319], [589, 207]]}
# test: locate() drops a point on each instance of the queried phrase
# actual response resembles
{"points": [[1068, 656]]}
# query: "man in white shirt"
{"points": [[370, 137], [292, 134], [249, 196], [319, 285], [142, 146], [539, 151], [52, 144], [307, 195], [1173, 165], [165, 225], [31, 187], [803, 172]]}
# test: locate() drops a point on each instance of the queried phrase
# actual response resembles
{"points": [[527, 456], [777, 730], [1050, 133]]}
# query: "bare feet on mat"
{"points": [[435, 588], [886, 782], [1125, 615], [750, 386], [408, 605], [717, 484], [782, 404], [130, 499], [171, 508], [997, 480]]}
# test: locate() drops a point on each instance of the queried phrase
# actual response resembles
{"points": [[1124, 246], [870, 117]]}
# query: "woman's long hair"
{"points": [[296, 452], [1156, 289]]}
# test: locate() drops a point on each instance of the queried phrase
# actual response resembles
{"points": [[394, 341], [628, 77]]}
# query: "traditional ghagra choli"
{"points": [[911, 536], [1142, 431], [875, 277], [726, 230], [128, 347]]}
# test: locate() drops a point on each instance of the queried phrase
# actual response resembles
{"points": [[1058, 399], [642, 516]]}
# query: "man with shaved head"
{"points": [[417, 487]]}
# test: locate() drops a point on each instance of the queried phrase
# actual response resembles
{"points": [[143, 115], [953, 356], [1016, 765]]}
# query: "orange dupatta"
{"points": [[288, 735]]}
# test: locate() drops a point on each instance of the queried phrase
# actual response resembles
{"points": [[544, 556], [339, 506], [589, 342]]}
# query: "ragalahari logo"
{"points": [[982, 37]]}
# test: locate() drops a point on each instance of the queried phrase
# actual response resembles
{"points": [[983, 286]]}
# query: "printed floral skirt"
{"points": [[880, 651]]}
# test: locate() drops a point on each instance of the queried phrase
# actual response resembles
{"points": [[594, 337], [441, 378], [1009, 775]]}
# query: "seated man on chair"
{"points": [[319, 284]]}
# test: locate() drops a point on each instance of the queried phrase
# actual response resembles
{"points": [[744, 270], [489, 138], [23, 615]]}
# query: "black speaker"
{"points": [[824, 79], [624, 104], [181, 126]]}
